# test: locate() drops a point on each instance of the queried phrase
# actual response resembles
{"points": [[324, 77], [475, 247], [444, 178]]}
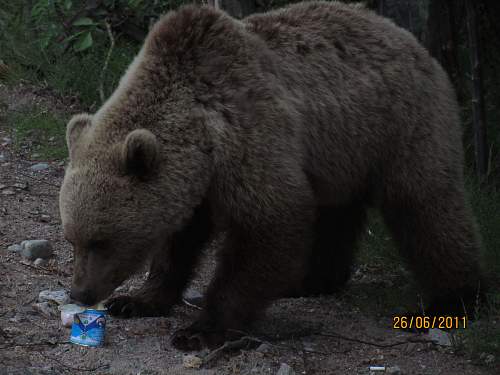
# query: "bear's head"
{"points": [[120, 200]]}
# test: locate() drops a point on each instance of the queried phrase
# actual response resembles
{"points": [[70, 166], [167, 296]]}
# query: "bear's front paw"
{"points": [[197, 337], [129, 307]]}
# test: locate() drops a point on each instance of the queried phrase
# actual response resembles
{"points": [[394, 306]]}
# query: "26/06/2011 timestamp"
{"points": [[427, 322]]}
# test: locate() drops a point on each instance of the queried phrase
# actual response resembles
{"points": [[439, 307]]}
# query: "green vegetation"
{"points": [[41, 131]]}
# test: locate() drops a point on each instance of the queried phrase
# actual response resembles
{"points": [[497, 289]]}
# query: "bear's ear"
{"points": [[140, 152], [75, 128]]}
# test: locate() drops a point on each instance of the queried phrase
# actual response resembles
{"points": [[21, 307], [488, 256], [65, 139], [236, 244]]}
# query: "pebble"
{"points": [[490, 358], [15, 247], [61, 297], [263, 348], [39, 167], [285, 369], [22, 186], [439, 337], [34, 249], [40, 262], [45, 308], [193, 298], [44, 218], [2, 158], [3, 186], [191, 361], [8, 192]]}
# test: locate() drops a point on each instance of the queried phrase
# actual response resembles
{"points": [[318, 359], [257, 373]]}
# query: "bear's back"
{"points": [[357, 36]]}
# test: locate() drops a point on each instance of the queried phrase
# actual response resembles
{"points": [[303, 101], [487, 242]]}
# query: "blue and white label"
{"points": [[88, 328]]}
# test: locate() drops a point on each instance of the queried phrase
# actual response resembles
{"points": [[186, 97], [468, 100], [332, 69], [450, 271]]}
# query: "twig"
{"points": [[339, 336], [31, 344], [230, 345], [48, 270], [106, 62]]}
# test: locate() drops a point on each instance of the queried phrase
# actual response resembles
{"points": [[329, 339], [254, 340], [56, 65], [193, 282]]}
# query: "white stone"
{"points": [[191, 361], [39, 167], [34, 249], [285, 369], [15, 247], [61, 297]]}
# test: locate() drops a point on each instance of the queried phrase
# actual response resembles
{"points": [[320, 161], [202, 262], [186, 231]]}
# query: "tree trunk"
{"points": [[381, 7], [478, 113]]}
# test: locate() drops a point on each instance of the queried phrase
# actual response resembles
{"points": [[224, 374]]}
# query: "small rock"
{"points": [[490, 358], [147, 372], [7, 141], [34, 249], [192, 293], [285, 370], [263, 348], [39, 262], [20, 186], [15, 248], [191, 361], [35, 155], [439, 337], [2, 158], [193, 298], [3, 186], [61, 297], [39, 167], [395, 370], [18, 318], [8, 192], [44, 218], [45, 308]]}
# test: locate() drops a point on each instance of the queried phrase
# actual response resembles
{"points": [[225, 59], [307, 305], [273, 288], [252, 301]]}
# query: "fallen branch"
{"points": [[244, 342], [57, 272], [11, 345], [342, 337]]}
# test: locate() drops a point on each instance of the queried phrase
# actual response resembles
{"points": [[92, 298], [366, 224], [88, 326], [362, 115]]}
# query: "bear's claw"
{"points": [[129, 307], [197, 337]]}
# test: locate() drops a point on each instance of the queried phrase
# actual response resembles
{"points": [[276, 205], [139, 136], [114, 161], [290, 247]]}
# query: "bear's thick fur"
{"points": [[280, 130]]}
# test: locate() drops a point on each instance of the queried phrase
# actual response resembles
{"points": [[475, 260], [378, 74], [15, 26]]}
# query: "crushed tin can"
{"points": [[88, 328]]}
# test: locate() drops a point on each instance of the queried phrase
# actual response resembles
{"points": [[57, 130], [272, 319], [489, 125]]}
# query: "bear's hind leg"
{"points": [[436, 233], [263, 257], [336, 232]]}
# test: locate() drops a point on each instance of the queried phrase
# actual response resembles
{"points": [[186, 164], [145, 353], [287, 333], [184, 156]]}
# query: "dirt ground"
{"points": [[326, 335]]}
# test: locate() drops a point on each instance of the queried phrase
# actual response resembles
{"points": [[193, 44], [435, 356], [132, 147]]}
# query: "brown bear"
{"points": [[280, 130]]}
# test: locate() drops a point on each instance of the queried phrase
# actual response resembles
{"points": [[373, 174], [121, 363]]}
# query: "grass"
{"points": [[40, 131], [380, 259]]}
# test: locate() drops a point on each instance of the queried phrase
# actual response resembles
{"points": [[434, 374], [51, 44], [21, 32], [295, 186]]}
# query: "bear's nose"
{"points": [[83, 296]]}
